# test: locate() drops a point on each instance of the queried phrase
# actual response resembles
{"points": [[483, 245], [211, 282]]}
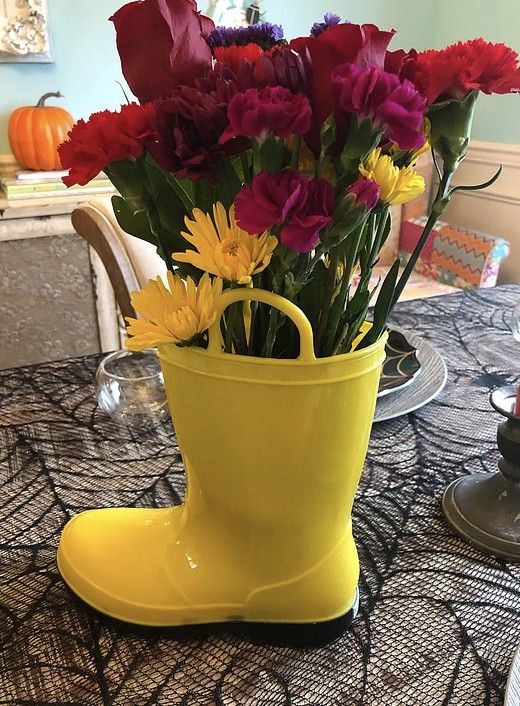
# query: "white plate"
{"points": [[423, 388], [512, 697]]}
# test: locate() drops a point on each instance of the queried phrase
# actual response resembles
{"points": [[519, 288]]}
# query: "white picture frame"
{"points": [[24, 32]]}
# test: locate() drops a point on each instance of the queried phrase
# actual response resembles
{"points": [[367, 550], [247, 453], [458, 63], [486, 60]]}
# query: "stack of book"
{"points": [[38, 185]]}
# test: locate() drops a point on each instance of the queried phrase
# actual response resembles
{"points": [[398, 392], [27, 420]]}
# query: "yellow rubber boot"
{"points": [[273, 451]]}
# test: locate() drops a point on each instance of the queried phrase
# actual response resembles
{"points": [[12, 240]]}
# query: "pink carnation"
{"points": [[302, 206], [393, 105], [273, 109], [366, 192]]}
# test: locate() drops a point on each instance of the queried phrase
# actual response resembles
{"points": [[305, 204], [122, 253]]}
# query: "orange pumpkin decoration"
{"points": [[35, 133]]}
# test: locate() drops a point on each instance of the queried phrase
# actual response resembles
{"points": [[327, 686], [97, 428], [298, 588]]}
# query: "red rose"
{"points": [[362, 44], [454, 72], [104, 138], [161, 45]]}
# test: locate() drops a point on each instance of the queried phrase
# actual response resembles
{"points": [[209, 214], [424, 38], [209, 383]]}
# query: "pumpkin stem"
{"points": [[41, 102]]}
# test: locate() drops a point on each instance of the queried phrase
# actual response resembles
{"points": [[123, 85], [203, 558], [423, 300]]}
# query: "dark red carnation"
{"points": [[275, 110], [104, 138], [189, 125], [454, 72], [363, 44], [220, 82], [280, 66], [302, 206], [161, 45]]}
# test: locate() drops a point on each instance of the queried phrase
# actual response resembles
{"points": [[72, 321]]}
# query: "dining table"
{"points": [[438, 621]]}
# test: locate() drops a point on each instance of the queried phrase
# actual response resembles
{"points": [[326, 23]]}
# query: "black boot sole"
{"points": [[299, 635]]}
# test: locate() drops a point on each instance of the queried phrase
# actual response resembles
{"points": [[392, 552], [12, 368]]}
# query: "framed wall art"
{"points": [[24, 31], [234, 13]]}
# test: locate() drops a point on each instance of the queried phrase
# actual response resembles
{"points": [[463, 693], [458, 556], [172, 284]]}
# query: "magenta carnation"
{"points": [[366, 192], [273, 109], [302, 206], [393, 105]]}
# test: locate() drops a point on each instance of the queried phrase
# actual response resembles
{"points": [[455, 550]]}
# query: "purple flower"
{"points": [[265, 34], [256, 113], [330, 19], [393, 105], [302, 206], [366, 192]]}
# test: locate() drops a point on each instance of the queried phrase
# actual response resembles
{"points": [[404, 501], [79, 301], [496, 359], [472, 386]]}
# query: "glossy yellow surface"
{"points": [[273, 451]]}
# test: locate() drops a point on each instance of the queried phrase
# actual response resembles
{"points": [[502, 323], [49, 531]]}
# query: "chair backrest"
{"points": [[129, 261], [96, 228]]}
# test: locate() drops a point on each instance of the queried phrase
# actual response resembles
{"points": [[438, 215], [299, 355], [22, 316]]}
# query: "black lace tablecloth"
{"points": [[438, 622]]}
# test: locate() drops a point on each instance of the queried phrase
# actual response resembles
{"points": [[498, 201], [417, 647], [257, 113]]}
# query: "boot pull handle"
{"points": [[295, 314]]}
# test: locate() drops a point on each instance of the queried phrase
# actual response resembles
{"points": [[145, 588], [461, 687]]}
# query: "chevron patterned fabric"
{"points": [[455, 256]]}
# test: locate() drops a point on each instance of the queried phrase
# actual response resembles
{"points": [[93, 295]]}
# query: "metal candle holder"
{"points": [[484, 508]]}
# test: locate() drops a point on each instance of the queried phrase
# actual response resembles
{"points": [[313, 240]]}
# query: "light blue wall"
{"points": [[412, 18], [87, 66]]}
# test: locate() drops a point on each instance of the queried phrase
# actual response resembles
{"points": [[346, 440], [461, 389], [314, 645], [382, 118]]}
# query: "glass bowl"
{"points": [[130, 387]]}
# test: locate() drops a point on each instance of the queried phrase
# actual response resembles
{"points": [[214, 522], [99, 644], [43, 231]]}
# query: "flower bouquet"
{"points": [[264, 172]]}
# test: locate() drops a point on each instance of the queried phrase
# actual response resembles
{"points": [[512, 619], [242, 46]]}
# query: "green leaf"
{"points": [[170, 207], [328, 134], [310, 299], [229, 182], [353, 318], [383, 306], [271, 154], [126, 178], [204, 195], [132, 222]]}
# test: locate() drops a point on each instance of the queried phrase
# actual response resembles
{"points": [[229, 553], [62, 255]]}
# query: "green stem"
{"points": [[330, 285], [267, 350], [378, 240], [338, 308], [318, 254], [230, 326], [439, 206], [250, 343], [246, 168], [240, 333], [257, 157], [296, 145]]}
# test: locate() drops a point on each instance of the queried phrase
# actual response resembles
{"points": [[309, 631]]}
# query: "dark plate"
{"points": [[401, 364]]}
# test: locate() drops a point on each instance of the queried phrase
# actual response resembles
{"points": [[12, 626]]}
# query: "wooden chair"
{"points": [[97, 229], [128, 261], [121, 264]]}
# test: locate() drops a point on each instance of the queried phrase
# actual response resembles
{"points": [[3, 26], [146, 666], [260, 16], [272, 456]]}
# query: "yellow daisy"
{"points": [[223, 248], [396, 185], [173, 315]]}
